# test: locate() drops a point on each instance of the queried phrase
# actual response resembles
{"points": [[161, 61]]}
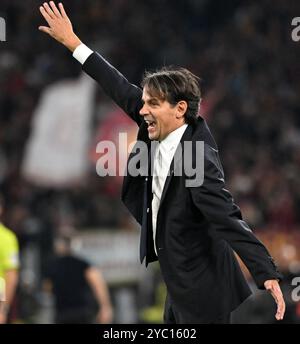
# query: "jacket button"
{"points": [[148, 210], [146, 179]]}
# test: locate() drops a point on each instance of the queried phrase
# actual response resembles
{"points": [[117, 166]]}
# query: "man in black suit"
{"points": [[191, 228]]}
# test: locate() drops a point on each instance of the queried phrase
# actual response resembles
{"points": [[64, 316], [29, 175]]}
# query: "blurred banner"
{"points": [[56, 153], [114, 252], [113, 128]]}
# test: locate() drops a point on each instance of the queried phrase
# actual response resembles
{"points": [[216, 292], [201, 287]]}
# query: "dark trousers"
{"points": [[174, 316]]}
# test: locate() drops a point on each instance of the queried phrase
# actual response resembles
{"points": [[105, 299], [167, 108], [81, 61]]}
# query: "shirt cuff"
{"points": [[82, 52]]}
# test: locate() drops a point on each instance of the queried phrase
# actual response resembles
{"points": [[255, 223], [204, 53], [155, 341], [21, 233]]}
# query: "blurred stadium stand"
{"points": [[250, 74]]}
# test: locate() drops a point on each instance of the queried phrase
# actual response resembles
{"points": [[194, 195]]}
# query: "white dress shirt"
{"points": [[164, 155], [82, 52]]}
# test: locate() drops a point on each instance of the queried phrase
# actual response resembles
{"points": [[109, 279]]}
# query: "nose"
{"points": [[143, 111]]}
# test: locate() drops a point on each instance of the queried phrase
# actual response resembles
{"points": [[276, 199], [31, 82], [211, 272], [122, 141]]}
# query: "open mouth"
{"points": [[151, 124]]}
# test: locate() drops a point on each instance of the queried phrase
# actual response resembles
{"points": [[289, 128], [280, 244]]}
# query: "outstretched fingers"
{"points": [[45, 29], [60, 27], [45, 15], [280, 305], [49, 10], [62, 10], [55, 9], [276, 292]]}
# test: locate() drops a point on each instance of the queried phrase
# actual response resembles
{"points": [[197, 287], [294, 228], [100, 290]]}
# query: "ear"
{"points": [[181, 108]]}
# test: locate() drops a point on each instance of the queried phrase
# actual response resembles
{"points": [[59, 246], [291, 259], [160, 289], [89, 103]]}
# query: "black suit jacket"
{"points": [[197, 228]]}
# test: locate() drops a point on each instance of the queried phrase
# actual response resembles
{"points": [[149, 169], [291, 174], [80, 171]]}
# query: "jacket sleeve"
{"points": [[115, 85], [217, 205]]}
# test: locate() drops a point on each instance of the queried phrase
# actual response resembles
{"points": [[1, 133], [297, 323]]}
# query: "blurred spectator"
{"points": [[75, 285], [9, 265]]}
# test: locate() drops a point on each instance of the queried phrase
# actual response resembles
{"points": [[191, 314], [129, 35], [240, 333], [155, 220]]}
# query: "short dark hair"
{"points": [[174, 84]]}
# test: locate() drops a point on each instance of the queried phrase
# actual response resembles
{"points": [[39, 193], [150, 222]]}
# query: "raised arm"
{"points": [[125, 94]]}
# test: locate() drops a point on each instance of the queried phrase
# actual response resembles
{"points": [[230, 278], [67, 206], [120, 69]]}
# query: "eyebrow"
{"points": [[152, 99]]}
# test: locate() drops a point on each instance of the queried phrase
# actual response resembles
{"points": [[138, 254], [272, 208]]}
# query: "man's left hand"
{"points": [[273, 287]]}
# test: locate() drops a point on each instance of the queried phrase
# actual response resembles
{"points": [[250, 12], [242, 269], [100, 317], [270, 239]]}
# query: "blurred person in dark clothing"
{"points": [[80, 291], [191, 231]]}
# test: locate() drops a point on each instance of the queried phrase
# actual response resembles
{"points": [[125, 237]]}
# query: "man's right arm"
{"points": [[125, 94], [99, 287], [115, 85]]}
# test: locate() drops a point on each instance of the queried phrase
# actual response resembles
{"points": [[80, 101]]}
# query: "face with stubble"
{"points": [[161, 116]]}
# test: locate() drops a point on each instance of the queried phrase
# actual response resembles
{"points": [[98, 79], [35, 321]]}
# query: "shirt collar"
{"points": [[173, 139]]}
